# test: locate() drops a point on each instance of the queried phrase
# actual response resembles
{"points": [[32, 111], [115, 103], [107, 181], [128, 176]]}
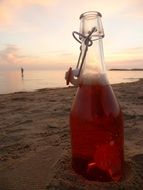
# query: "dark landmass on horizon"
{"points": [[138, 69]]}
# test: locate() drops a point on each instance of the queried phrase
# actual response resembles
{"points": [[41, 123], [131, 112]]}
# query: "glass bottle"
{"points": [[96, 121]]}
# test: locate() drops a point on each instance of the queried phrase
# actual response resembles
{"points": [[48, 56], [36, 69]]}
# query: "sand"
{"points": [[35, 140]]}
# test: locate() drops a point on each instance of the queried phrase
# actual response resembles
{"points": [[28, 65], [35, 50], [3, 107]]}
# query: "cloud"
{"points": [[109, 8], [9, 8], [10, 55], [128, 64], [125, 58], [130, 52], [11, 58]]}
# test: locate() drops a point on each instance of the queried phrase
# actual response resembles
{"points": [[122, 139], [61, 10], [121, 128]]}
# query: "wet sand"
{"points": [[35, 140]]}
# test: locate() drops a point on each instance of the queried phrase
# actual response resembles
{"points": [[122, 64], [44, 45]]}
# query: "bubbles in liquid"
{"points": [[111, 143]]}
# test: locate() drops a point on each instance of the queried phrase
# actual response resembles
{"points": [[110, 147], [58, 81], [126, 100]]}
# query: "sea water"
{"points": [[12, 81]]}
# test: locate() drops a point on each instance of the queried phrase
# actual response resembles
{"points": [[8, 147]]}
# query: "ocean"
{"points": [[11, 81]]}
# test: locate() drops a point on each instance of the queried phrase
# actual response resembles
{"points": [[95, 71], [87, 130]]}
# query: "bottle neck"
{"points": [[93, 67], [93, 70]]}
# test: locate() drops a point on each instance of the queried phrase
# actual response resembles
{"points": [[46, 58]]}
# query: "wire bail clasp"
{"points": [[88, 42], [72, 75]]}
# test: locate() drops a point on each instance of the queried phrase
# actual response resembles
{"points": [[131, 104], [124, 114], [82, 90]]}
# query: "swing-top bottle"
{"points": [[96, 120]]}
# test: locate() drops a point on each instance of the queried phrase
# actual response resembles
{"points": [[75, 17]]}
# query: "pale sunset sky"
{"points": [[37, 34]]}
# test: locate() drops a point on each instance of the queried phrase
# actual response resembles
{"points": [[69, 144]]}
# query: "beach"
{"points": [[35, 150]]}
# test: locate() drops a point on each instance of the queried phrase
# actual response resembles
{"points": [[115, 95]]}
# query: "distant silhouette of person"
{"points": [[22, 72]]}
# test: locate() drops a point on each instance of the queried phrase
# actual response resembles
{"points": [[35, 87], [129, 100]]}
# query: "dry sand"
{"points": [[35, 140]]}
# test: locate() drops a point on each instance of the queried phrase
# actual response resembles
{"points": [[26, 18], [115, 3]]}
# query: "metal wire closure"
{"points": [[88, 42]]}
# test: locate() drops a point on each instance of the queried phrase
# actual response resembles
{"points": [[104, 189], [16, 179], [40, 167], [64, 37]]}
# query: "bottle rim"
{"points": [[90, 13]]}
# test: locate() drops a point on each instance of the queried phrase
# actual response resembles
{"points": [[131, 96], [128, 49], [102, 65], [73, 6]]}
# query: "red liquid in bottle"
{"points": [[97, 134]]}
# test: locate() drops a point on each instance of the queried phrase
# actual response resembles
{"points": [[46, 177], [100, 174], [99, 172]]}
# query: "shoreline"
{"points": [[35, 140], [12, 82], [64, 87]]}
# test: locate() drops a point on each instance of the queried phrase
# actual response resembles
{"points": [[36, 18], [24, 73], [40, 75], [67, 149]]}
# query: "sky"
{"points": [[37, 34]]}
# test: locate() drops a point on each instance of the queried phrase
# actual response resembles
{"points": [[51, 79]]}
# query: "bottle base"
{"points": [[91, 171]]}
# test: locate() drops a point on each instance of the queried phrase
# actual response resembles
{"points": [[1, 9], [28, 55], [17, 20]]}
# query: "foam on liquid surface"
{"points": [[94, 79]]}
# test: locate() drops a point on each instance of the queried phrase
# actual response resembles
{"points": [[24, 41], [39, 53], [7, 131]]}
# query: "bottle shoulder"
{"points": [[97, 100]]}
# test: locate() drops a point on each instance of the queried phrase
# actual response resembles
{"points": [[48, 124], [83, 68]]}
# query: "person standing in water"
{"points": [[22, 72]]}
